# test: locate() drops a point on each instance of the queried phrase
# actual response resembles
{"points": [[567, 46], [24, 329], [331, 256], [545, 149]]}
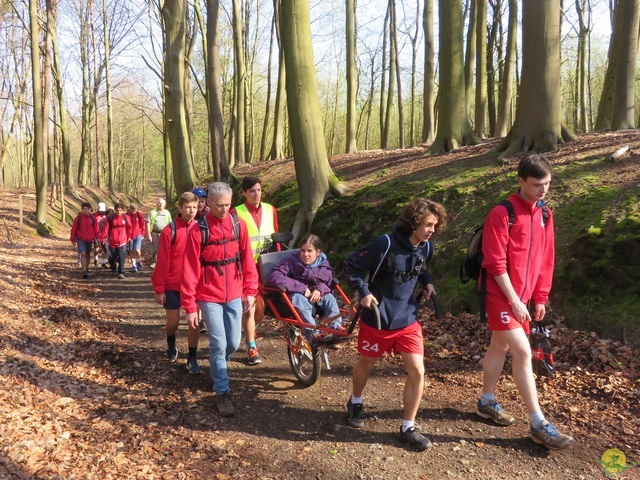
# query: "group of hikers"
{"points": [[206, 265]]}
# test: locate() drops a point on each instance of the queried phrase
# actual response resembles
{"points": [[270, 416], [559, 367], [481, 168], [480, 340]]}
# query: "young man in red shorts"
{"points": [[519, 263], [395, 262]]}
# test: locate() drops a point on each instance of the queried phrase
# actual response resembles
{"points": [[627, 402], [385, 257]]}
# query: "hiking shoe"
{"points": [[86, 275], [95, 263], [254, 358], [495, 412], [412, 437], [550, 437], [193, 367], [121, 276], [104, 265], [356, 414], [224, 405], [172, 353], [134, 269], [139, 265], [203, 327]]}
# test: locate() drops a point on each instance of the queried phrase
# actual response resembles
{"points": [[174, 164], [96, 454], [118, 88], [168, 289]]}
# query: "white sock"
{"points": [[537, 420], [407, 424], [355, 399]]}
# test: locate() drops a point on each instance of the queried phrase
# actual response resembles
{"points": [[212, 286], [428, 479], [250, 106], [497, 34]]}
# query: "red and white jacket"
{"points": [[168, 272], [117, 230], [223, 283], [138, 223], [84, 228], [526, 251]]}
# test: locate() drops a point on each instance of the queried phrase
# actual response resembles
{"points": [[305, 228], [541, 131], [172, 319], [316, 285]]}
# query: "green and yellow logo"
{"points": [[614, 462]]}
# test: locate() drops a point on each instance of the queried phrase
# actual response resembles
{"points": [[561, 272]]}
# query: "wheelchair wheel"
{"points": [[305, 360]]}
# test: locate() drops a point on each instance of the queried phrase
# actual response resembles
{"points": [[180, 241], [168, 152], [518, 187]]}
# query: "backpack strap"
{"points": [[172, 226], [204, 232], [382, 259]]}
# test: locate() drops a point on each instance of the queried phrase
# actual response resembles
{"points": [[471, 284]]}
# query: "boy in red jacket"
{"points": [[167, 277], [83, 233], [118, 231], [222, 280], [519, 262]]}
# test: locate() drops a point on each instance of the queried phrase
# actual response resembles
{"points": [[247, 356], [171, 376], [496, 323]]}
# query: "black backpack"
{"points": [[471, 268]]}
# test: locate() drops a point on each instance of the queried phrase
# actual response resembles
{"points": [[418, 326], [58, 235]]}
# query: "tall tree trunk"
{"points": [[83, 163], [538, 124], [481, 68], [470, 56], [394, 45], [191, 36], [429, 121], [412, 92], [214, 89], [107, 80], [352, 87], [46, 96], [177, 129], [616, 110], [383, 77], [454, 129], [267, 108], [239, 80], [313, 172], [386, 130], [38, 154], [493, 48], [506, 92], [581, 68]]}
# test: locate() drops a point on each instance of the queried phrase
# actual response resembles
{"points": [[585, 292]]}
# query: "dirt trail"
{"points": [[88, 393]]}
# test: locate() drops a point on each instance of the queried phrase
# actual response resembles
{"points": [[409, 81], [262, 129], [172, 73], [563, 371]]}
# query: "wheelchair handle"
{"points": [[436, 304], [356, 316]]}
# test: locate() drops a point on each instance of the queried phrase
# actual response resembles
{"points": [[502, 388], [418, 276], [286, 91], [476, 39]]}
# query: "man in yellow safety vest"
{"points": [[262, 220]]}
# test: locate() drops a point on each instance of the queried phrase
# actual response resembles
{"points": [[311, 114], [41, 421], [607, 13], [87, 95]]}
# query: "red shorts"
{"points": [[373, 343], [500, 316]]}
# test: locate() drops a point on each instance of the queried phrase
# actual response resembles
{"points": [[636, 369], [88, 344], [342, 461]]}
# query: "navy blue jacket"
{"points": [[394, 283]]}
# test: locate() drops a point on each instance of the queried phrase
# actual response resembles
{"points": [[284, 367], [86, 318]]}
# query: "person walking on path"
{"points": [[167, 278], [101, 239], [395, 262], [157, 219], [219, 275], [84, 232], [137, 234], [262, 220], [519, 261], [118, 231]]}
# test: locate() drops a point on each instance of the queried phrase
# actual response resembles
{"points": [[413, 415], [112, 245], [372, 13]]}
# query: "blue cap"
{"points": [[199, 192]]}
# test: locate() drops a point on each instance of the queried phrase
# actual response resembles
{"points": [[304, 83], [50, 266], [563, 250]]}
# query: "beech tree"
{"points": [[454, 129], [315, 178], [429, 121], [350, 34], [616, 110], [538, 124], [174, 16]]}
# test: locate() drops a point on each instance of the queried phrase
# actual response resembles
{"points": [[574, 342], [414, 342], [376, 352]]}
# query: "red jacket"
{"points": [[526, 250], [138, 223], [118, 230], [85, 227], [168, 272], [205, 283], [100, 221]]}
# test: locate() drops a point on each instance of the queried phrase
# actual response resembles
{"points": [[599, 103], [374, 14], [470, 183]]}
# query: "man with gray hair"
{"points": [[219, 276], [157, 219]]}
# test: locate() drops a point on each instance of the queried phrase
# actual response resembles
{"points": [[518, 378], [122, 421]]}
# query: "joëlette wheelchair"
{"points": [[305, 357]]}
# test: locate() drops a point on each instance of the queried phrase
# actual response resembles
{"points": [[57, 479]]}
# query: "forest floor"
{"points": [[89, 394]]}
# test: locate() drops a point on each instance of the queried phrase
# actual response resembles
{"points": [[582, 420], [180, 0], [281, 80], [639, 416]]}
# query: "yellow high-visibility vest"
{"points": [[258, 236]]}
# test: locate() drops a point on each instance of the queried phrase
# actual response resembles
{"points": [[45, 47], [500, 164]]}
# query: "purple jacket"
{"points": [[293, 275]]}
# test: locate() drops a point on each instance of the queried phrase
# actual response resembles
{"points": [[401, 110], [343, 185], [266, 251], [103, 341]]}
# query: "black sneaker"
{"points": [[86, 274], [172, 353], [356, 414], [203, 327], [412, 437]]}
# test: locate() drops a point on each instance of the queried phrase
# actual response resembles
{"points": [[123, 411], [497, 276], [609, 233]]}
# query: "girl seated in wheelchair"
{"points": [[308, 279]]}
